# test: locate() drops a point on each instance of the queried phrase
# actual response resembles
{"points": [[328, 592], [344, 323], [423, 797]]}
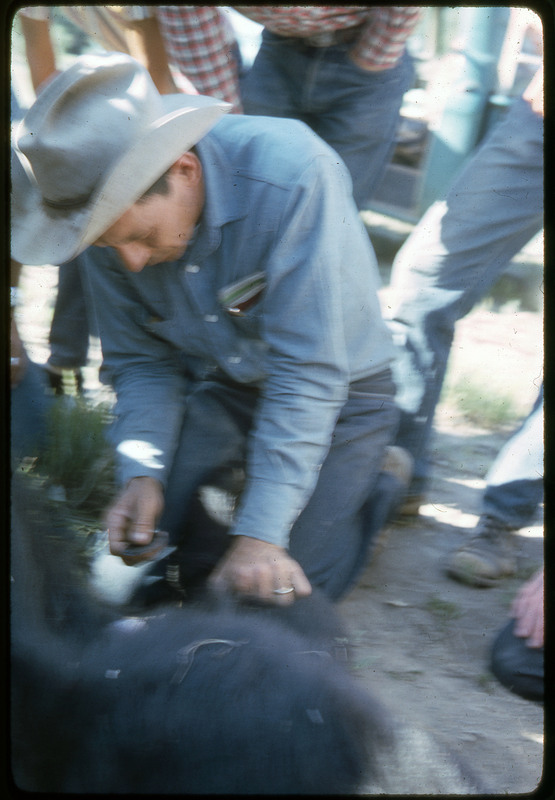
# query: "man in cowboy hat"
{"points": [[235, 292]]}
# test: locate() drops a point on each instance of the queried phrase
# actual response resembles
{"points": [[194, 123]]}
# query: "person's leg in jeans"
{"points": [[515, 479], [30, 405], [212, 445], [454, 255], [69, 330], [330, 539], [513, 492], [518, 667], [354, 111], [361, 115]]}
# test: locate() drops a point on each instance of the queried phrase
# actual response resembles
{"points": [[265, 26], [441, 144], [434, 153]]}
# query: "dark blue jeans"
{"points": [[353, 110], [518, 667], [351, 501], [30, 402], [70, 328], [515, 479]]}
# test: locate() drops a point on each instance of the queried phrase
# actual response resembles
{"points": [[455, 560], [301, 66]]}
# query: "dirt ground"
{"points": [[420, 640]]}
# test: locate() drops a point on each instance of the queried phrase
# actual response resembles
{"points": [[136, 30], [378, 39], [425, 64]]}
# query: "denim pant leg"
{"points": [[69, 331], [30, 403], [518, 667], [353, 110], [332, 536], [362, 115], [329, 539], [213, 441], [515, 479], [452, 258]]}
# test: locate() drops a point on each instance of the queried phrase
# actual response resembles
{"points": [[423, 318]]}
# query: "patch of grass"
{"points": [[443, 610], [77, 457], [479, 404], [486, 681]]}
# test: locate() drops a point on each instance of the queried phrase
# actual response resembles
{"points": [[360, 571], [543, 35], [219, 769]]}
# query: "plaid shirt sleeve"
{"points": [[201, 45], [384, 31]]}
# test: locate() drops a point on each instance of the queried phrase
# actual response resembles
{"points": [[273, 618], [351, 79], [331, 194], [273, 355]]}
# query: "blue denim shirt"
{"points": [[278, 213]]}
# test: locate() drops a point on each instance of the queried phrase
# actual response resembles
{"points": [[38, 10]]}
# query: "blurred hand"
{"points": [[528, 611], [254, 568], [132, 518]]}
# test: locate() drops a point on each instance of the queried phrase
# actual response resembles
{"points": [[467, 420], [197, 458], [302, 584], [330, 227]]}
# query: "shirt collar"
{"points": [[225, 199]]}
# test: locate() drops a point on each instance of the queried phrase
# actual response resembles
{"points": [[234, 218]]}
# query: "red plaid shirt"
{"points": [[382, 38], [200, 44]]}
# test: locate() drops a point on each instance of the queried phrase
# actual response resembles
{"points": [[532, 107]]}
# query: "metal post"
{"points": [[462, 121]]}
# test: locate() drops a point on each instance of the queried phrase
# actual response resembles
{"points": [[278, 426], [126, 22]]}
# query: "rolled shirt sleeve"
{"points": [[307, 367]]}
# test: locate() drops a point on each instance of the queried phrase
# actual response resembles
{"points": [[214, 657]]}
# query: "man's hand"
{"points": [[260, 570], [528, 611], [132, 518]]}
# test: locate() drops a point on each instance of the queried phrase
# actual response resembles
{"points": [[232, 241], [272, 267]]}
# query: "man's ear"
{"points": [[189, 167]]}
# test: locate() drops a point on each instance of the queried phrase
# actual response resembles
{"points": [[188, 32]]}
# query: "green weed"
{"points": [[77, 457], [443, 610], [479, 404], [486, 681]]}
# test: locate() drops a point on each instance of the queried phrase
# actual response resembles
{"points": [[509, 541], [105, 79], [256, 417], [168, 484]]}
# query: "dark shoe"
{"points": [[490, 554]]}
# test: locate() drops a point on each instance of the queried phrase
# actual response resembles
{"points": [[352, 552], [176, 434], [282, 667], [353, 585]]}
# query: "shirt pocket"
{"points": [[242, 301]]}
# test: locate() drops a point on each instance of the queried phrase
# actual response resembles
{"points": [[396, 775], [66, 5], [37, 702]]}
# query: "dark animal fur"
{"points": [[207, 698], [196, 699]]}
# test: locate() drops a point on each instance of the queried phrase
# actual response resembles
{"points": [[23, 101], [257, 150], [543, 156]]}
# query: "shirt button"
{"points": [[211, 317], [234, 359], [192, 268]]}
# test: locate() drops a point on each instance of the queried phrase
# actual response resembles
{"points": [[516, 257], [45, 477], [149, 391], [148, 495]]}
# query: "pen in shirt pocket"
{"points": [[238, 297]]}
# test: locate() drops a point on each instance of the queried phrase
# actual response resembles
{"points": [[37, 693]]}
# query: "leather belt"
{"points": [[327, 38]]}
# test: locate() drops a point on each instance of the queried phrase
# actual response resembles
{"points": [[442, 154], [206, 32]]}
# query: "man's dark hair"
{"points": [[160, 186]]}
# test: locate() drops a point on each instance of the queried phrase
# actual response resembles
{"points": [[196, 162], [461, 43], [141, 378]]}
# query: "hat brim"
{"points": [[44, 235]]}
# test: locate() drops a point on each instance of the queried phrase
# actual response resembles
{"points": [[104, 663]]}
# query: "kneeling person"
{"points": [[235, 291]]}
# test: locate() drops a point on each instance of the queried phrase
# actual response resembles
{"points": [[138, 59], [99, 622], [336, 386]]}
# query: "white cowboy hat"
{"points": [[97, 137]]}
